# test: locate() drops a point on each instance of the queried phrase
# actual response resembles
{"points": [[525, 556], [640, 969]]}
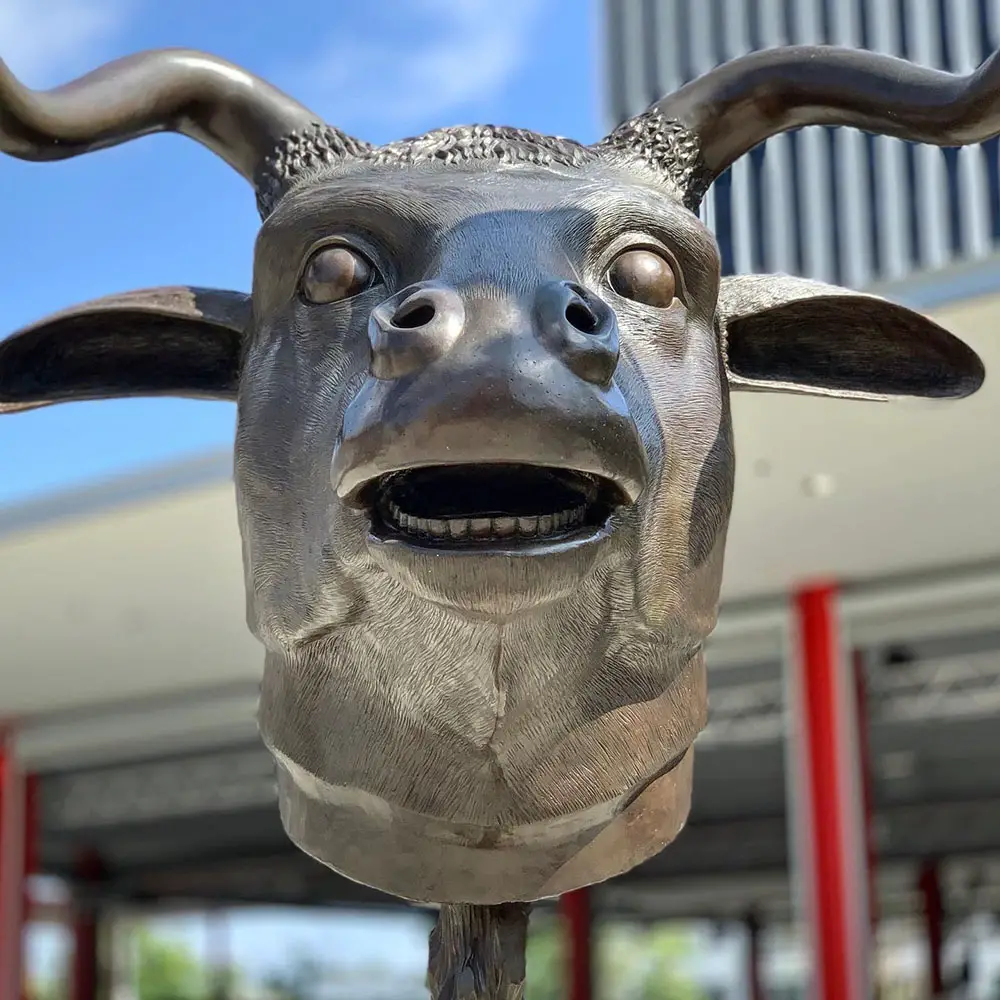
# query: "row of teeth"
{"points": [[488, 527]]}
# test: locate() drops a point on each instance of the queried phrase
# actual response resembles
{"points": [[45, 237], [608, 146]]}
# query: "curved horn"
{"points": [[735, 107], [234, 113]]}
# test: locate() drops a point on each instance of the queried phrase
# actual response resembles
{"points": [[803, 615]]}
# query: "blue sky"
{"points": [[163, 210]]}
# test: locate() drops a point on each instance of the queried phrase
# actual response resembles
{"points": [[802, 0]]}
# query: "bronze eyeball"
{"points": [[335, 273], [643, 276]]}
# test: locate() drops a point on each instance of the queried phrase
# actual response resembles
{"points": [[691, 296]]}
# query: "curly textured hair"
{"points": [[308, 154]]}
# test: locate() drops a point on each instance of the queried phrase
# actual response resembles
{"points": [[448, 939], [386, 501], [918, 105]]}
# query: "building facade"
{"points": [[832, 204]]}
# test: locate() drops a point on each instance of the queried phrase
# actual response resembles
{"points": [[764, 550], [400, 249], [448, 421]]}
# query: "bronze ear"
{"points": [[795, 335], [157, 342]]}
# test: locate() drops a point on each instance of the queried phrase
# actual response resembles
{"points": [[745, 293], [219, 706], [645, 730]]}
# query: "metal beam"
{"points": [[141, 728], [874, 612], [232, 779], [941, 689]]}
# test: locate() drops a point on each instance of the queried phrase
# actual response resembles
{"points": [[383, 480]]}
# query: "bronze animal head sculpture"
{"points": [[484, 457]]}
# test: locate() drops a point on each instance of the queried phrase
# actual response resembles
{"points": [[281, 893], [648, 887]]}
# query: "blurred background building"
{"points": [[831, 204], [130, 682]]}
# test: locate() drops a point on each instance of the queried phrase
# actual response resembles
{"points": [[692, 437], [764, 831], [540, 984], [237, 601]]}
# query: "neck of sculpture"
{"points": [[478, 952]]}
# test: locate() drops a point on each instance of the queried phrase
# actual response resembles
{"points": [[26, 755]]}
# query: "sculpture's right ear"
{"points": [[787, 334], [157, 342]]}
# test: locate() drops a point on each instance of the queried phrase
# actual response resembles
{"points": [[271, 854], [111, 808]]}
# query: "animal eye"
{"points": [[335, 273], [643, 276]]}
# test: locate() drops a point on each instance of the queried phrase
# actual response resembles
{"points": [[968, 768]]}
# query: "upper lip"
{"points": [[474, 504]]}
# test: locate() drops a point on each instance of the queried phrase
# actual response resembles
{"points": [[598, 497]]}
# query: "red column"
{"points": [[17, 855], [579, 929], [827, 802], [84, 971], [933, 907]]}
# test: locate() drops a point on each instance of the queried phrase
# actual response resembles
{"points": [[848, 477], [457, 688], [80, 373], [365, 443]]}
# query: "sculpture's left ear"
{"points": [[177, 341], [789, 334]]}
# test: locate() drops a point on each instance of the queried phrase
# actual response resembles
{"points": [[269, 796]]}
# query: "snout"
{"points": [[489, 421]]}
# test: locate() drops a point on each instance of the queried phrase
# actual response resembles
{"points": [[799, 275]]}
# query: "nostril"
{"points": [[413, 329], [579, 328], [581, 316], [413, 313]]}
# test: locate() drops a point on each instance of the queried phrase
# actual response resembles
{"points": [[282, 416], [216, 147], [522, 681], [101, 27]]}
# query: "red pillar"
{"points": [[84, 971], [827, 801], [579, 939], [18, 855], [933, 907]]}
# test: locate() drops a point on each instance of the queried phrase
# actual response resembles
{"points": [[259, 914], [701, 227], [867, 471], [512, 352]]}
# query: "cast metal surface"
{"points": [[478, 951], [484, 458]]}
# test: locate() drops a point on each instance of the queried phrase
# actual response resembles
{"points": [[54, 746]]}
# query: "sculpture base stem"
{"points": [[477, 952]]}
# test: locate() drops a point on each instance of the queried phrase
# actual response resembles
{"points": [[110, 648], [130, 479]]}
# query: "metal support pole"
{"points": [[867, 789], [85, 973], [755, 982], [579, 940], [17, 857], [929, 884], [827, 801], [32, 858]]}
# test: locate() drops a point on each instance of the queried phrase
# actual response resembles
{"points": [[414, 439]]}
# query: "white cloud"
{"points": [[45, 40], [419, 60]]}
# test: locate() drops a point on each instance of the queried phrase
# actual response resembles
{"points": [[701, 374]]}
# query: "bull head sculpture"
{"points": [[484, 458]]}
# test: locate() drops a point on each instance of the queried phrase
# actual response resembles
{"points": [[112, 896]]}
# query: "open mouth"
{"points": [[470, 505]]}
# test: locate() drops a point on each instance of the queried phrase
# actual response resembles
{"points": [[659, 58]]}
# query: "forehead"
{"points": [[567, 203]]}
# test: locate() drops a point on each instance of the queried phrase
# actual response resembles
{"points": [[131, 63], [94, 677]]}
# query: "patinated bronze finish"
{"points": [[484, 458]]}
